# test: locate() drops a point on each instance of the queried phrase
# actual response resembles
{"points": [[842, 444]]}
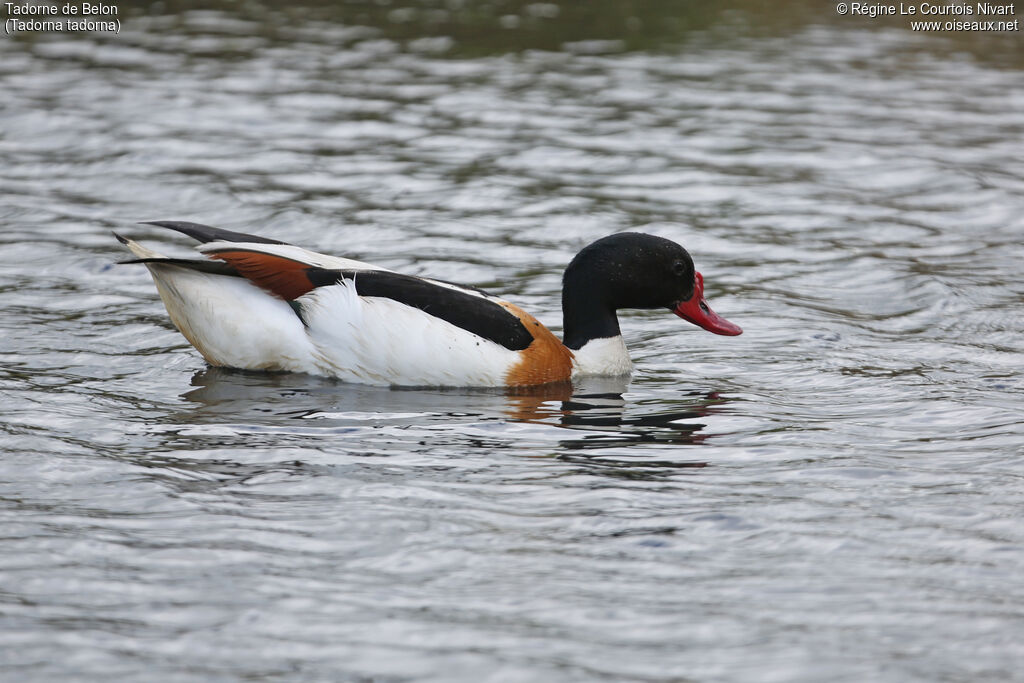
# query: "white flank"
{"points": [[375, 340], [232, 322], [607, 356]]}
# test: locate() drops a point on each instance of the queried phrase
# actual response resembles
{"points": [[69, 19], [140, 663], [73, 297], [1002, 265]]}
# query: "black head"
{"points": [[632, 270], [629, 270]]}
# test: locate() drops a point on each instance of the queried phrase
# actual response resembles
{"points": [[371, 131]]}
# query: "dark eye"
{"points": [[679, 268]]}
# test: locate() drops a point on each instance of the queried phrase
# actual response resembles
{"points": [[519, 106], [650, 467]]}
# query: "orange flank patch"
{"points": [[282, 276], [545, 360]]}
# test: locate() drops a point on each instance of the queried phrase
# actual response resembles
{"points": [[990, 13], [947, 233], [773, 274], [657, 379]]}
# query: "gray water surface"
{"points": [[835, 495]]}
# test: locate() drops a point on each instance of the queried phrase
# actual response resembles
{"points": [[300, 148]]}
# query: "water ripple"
{"points": [[833, 495]]}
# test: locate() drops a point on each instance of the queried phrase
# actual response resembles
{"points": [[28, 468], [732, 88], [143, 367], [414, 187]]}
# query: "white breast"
{"points": [[606, 357]]}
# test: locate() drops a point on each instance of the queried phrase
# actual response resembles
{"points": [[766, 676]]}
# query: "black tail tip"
{"points": [[205, 233]]}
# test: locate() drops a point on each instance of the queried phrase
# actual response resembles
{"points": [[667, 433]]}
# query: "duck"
{"points": [[255, 303]]}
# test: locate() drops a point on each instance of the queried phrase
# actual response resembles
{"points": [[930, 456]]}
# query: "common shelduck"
{"points": [[268, 305]]}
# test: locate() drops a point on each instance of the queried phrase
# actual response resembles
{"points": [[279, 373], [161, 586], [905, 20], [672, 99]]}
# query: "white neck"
{"points": [[607, 356]]}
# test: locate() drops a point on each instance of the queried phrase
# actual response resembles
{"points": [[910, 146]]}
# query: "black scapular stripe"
{"points": [[475, 314]]}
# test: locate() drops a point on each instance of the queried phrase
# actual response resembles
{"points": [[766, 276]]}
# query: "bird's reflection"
{"points": [[595, 408]]}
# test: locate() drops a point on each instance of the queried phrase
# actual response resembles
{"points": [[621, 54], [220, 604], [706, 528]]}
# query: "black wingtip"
{"points": [[180, 226], [122, 240], [205, 233]]}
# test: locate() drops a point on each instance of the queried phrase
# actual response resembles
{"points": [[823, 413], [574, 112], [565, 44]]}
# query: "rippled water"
{"points": [[835, 495]]}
